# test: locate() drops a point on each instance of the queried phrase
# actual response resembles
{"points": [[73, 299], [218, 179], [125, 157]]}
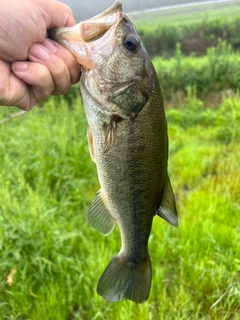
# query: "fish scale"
{"points": [[127, 136]]}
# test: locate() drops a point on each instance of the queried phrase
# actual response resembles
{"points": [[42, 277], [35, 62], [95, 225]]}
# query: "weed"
{"points": [[47, 183]]}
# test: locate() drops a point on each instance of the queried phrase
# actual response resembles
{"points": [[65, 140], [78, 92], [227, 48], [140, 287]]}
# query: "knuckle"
{"points": [[61, 74], [58, 92], [62, 80], [45, 85], [43, 74], [3, 93], [75, 76], [5, 82], [42, 93], [73, 69], [27, 107], [62, 88], [69, 61], [58, 68], [68, 10]]}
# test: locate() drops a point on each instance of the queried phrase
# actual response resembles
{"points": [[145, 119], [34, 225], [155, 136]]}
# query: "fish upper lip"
{"points": [[95, 27], [80, 39], [116, 5]]}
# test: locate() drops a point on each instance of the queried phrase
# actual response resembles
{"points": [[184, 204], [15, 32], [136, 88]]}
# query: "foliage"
{"points": [[47, 183], [193, 35], [218, 70], [223, 120]]}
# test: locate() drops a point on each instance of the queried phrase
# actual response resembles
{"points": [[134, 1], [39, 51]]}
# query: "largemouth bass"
{"points": [[127, 136]]}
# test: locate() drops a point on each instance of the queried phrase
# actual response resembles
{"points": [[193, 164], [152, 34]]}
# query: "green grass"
{"points": [[47, 183], [191, 13], [194, 28], [217, 71]]}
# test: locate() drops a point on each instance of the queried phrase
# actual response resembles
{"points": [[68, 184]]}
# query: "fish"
{"points": [[128, 141]]}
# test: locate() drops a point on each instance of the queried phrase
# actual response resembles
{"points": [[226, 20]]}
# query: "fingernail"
{"points": [[38, 51], [20, 66], [50, 45]]}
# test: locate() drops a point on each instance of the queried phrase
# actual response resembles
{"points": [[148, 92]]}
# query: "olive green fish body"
{"points": [[128, 141], [132, 175]]}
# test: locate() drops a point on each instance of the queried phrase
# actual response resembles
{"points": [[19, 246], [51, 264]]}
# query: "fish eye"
{"points": [[130, 43]]}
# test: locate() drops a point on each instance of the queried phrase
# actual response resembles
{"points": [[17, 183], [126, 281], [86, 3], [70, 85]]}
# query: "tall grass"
{"points": [[195, 34], [218, 70], [51, 259]]}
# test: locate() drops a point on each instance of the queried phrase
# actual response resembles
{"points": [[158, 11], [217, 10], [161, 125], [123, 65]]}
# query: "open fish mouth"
{"points": [[81, 39], [95, 27]]}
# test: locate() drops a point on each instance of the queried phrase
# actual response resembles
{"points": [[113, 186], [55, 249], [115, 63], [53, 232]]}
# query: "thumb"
{"points": [[57, 14]]}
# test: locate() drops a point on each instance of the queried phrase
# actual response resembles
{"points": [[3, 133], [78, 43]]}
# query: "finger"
{"points": [[13, 91], [55, 65], [39, 79], [58, 15], [66, 56]]}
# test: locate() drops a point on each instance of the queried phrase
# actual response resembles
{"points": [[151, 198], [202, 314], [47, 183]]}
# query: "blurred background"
{"points": [[87, 10], [50, 258]]}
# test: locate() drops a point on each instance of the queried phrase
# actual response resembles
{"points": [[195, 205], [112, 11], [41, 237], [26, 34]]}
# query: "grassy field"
{"points": [[214, 72], [194, 28], [191, 13], [51, 259]]}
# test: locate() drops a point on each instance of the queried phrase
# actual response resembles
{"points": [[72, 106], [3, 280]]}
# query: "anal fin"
{"points": [[98, 216], [167, 209]]}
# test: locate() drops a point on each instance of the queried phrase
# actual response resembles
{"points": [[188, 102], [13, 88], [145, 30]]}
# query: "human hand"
{"points": [[33, 67]]}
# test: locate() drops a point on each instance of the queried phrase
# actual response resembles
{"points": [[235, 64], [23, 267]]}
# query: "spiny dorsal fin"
{"points": [[167, 209], [98, 216]]}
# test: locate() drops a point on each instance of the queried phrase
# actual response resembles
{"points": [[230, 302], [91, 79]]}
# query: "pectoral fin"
{"points": [[90, 144], [167, 209], [110, 135], [98, 216]]}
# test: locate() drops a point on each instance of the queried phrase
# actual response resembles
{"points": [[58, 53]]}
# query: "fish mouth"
{"points": [[86, 37]]}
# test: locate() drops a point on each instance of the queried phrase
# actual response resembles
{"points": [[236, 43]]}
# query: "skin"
{"points": [[32, 66], [128, 142]]}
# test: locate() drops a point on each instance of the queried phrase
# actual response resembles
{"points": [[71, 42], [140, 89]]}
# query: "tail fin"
{"points": [[123, 279]]}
